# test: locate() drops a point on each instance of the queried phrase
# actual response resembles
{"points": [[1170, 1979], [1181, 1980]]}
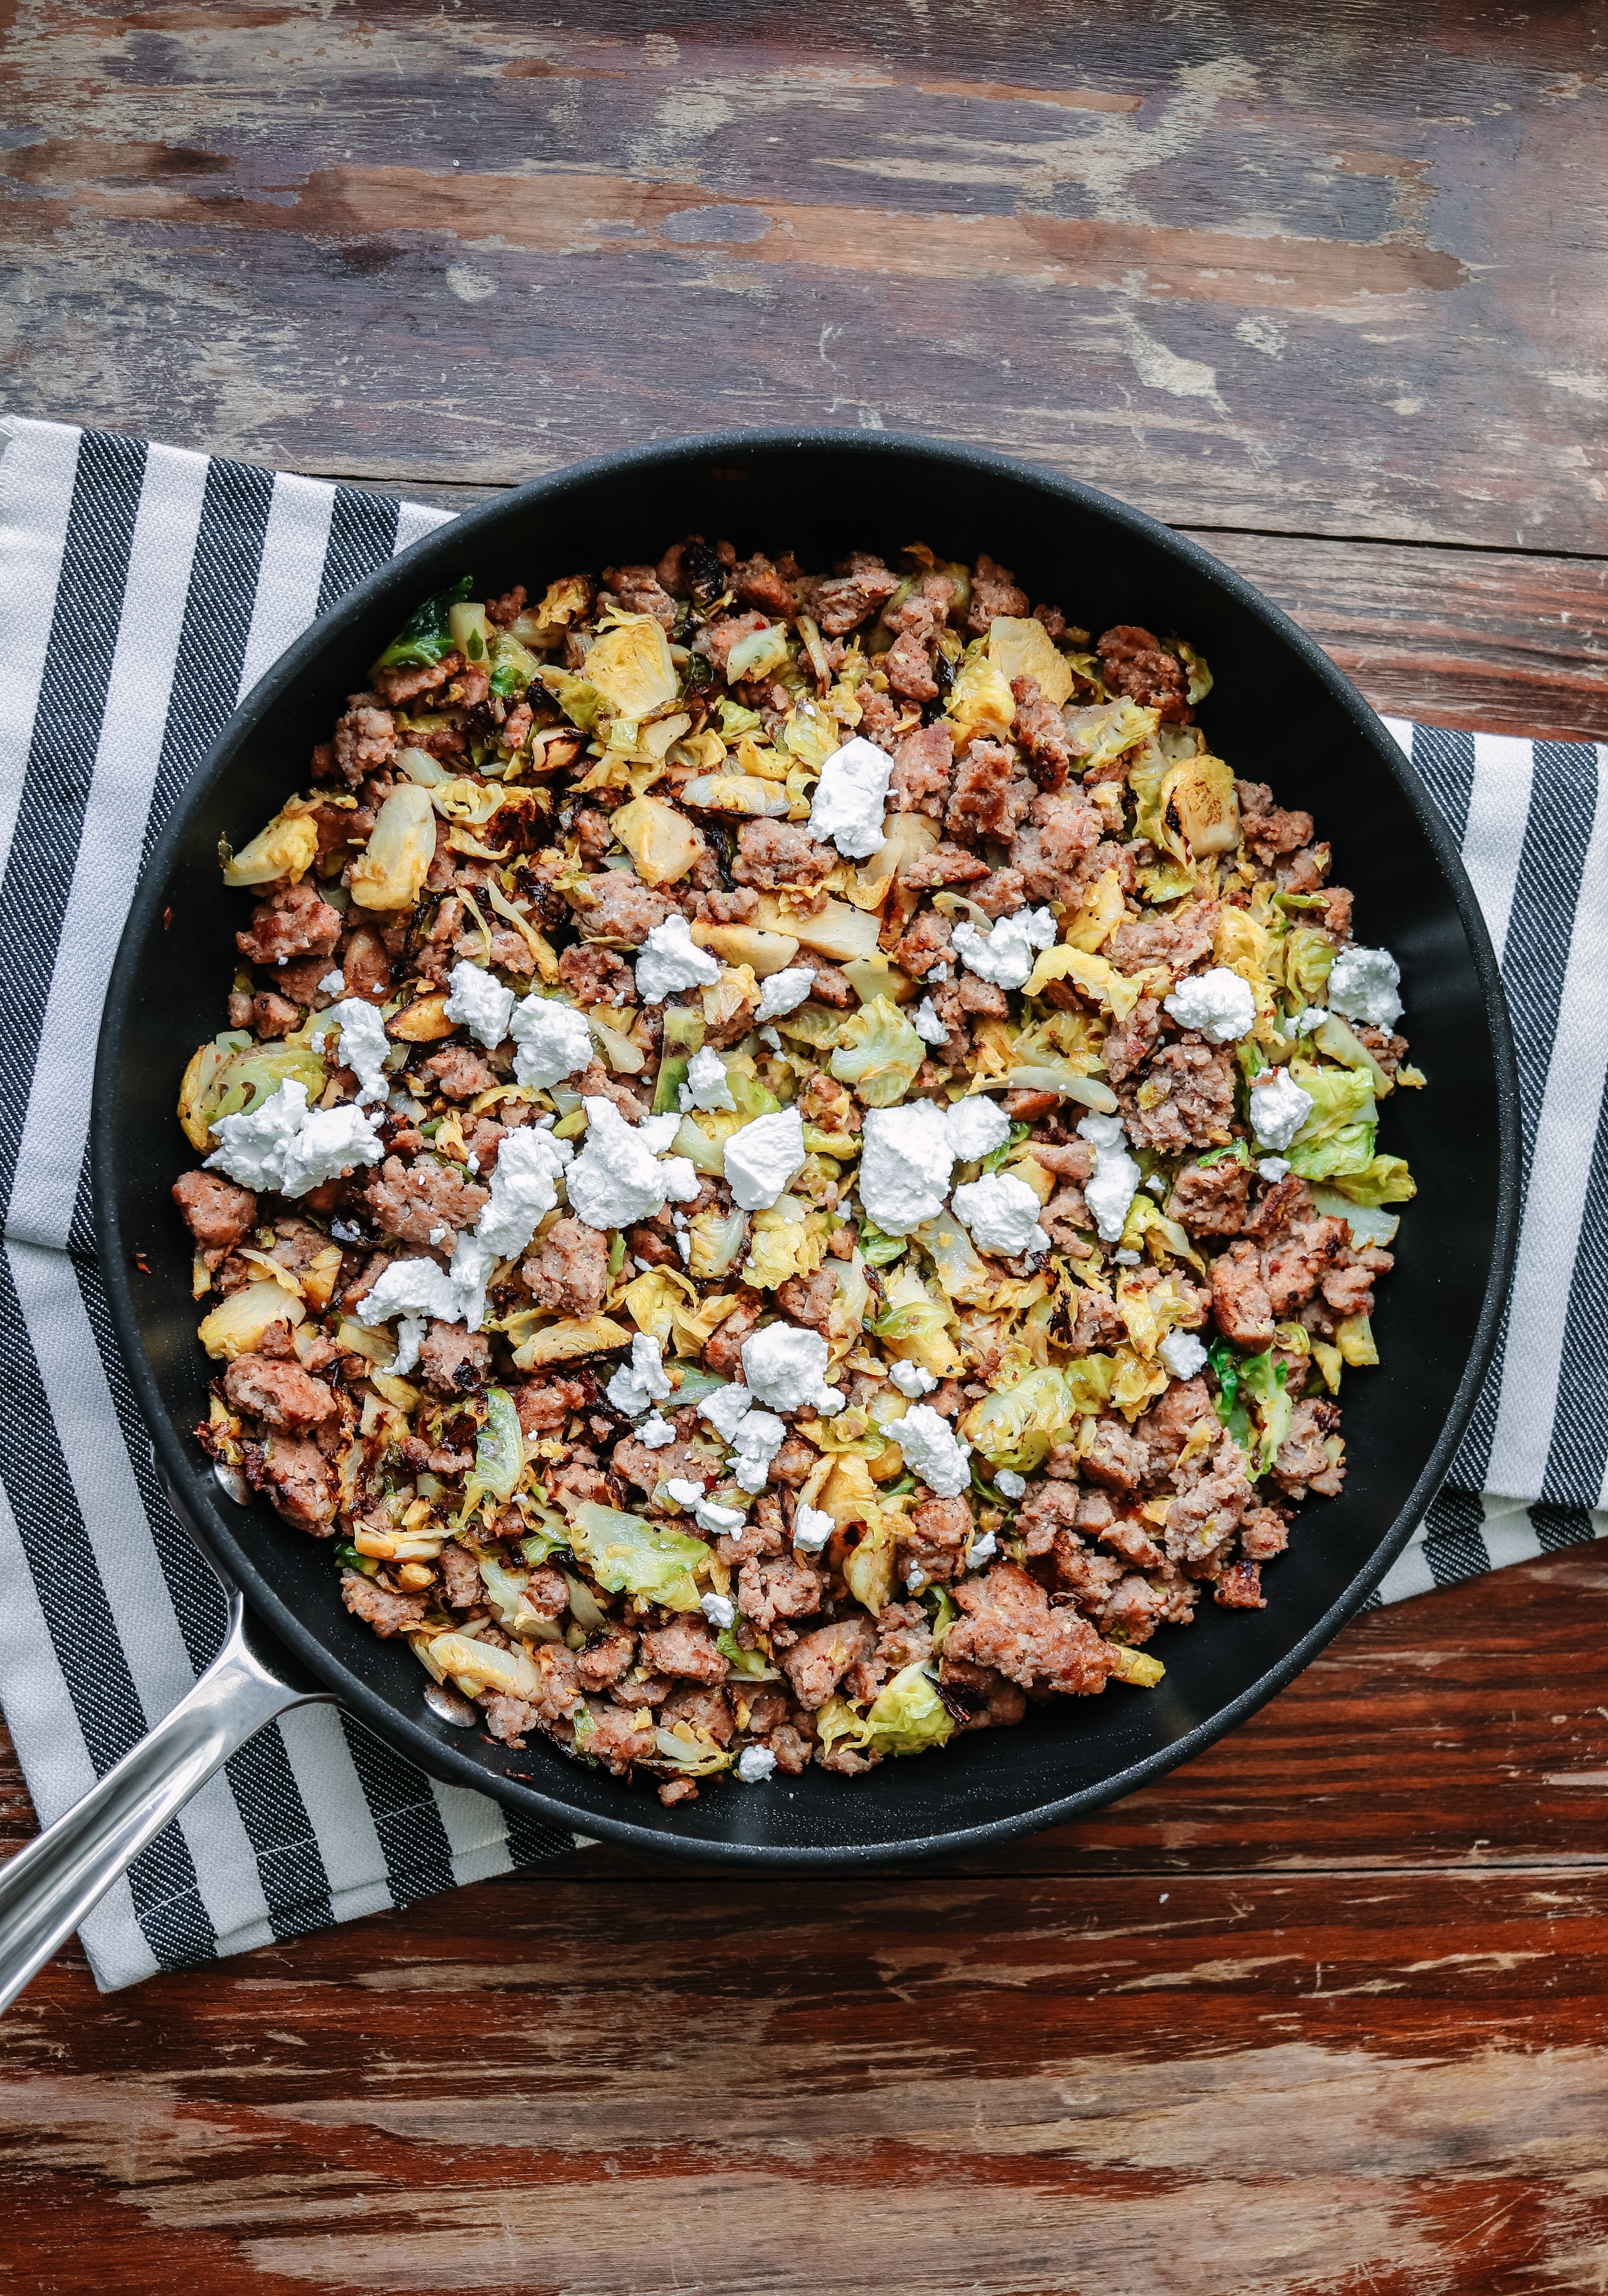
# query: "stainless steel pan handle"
{"points": [[48, 1888]]}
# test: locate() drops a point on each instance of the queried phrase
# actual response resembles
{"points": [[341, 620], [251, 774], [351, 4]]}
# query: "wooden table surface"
{"points": [[1324, 286]]}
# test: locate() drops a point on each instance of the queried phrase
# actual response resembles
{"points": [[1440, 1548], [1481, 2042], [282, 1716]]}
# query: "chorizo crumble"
{"points": [[793, 1166]]}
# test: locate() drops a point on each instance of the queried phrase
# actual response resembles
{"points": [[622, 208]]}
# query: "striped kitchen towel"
{"points": [[142, 592]]}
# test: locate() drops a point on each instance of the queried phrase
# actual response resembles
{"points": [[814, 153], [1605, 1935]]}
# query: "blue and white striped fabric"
{"points": [[142, 592], [1531, 1473]]}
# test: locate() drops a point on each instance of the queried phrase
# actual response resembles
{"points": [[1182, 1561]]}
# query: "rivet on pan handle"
{"points": [[48, 1888]]}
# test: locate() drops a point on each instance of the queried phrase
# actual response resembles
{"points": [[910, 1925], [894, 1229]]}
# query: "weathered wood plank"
{"points": [[1328, 279], [1489, 641], [1286, 2083]]}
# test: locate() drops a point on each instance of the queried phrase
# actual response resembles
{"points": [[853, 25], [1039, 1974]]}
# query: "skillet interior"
{"points": [[1280, 713]]}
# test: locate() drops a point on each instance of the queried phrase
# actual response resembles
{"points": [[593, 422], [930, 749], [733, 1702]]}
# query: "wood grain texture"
{"points": [[1322, 2012], [1337, 270], [1489, 641]]}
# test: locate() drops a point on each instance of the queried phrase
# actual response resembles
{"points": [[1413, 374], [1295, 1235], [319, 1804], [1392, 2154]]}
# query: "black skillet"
{"points": [[1280, 712]]}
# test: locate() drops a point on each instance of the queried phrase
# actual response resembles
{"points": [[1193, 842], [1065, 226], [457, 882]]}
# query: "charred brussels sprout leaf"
{"points": [[878, 1052], [426, 636], [499, 1451], [908, 1714], [1263, 1379], [630, 1556], [700, 563]]}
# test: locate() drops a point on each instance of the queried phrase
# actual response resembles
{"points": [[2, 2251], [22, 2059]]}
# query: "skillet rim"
{"points": [[192, 1492]]}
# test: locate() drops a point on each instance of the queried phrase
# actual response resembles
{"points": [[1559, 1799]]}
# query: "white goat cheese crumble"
{"points": [[781, 993], [755, 1765], [480, 1003], [706, 1085], [719, 1610], [1219, 1004], [911, 1379], [1007, 953], [1001, 1214], [718, 1520], [622, 1174], [976, 1127], [852, 798], [522, 1193], [933, 1452], [641, 1381], [1365, 985], [523, 1189], [1009, 1484], [364, 1045], [812, 1527], [905, 1165], [419, 1294], [786, 1367], [763, 1156], [1278, 1107], [671, 959], [1182, 1353], [926, 1024], [1116, 1177], [726, 1408], [755, 1445], [553, 1040], [285, 1145]]}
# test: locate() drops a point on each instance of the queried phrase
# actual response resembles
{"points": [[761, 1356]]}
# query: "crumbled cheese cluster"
{"points": [[1116, 1179], [1218, 1004], [852, 798], [363, 1045], [932, 1451], [1001, 1214], [285, 1145], [622, 1174], [553, 1040], [706, 1085], [906, 1160], [1364, 984], [1006, 953], [481, 1002], [1279, 1107], [763, 1156], [672, 960]]}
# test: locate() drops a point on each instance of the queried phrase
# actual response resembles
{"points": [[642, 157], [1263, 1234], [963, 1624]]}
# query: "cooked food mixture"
{"points": [[793, 1167]]}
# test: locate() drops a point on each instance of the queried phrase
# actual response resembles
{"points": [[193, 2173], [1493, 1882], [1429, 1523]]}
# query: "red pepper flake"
{"points": [[167, 916], [141, 1263]]}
